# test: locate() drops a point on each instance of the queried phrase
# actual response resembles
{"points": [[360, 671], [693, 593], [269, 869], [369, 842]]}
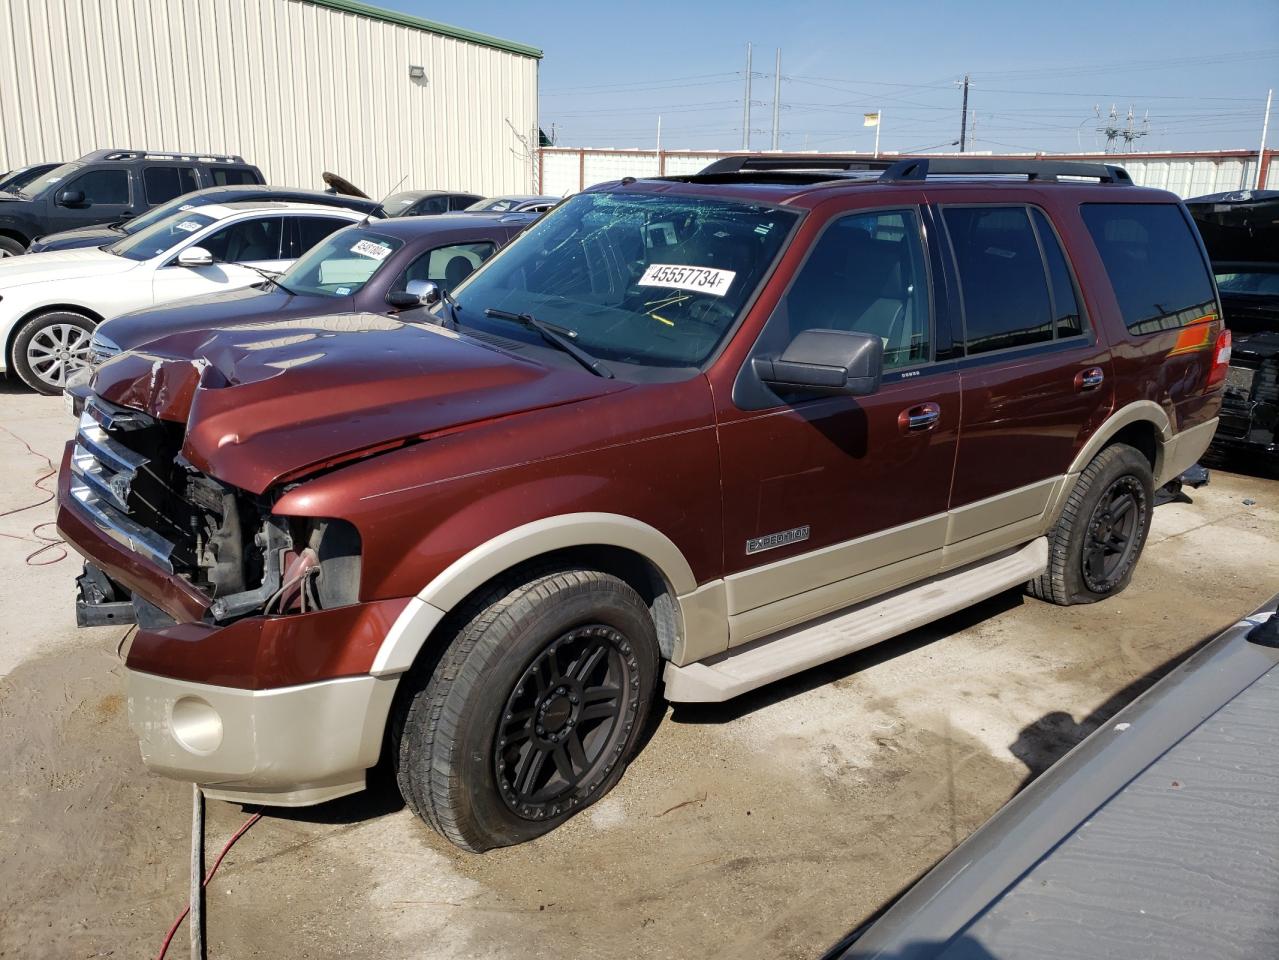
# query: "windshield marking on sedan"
{"points": [[367, 248]]}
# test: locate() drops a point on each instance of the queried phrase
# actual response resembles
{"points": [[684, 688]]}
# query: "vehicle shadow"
{"points": [[1045, 741], [715, 713], [9, 383], [380, 798]]}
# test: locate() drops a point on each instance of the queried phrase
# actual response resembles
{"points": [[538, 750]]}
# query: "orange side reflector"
{"points": [[1196, 335]]}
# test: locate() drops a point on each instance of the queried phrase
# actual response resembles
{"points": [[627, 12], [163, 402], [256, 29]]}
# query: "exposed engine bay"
{"points": [[129, 473]]}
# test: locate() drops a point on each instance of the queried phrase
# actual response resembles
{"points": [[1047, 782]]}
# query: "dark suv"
{"points": [[107, 186], [711, 429]]}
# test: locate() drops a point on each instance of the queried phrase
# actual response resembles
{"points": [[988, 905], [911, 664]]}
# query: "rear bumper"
{"points": [[287, 747]]}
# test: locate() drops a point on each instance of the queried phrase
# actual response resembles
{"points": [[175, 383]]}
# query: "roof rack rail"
{"points": [[119, 154], [782, 162], [920, 168]]}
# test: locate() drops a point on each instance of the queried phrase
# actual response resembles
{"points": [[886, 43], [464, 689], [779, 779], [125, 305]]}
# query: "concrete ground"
{"points": [[766, 827]]}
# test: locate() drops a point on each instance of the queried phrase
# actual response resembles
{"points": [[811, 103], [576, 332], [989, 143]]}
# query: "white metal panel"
{"points": [[290, 86]]}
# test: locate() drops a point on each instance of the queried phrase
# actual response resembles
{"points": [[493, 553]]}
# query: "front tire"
{"points": [[50, 347], [1094, 547], [533, 710]]}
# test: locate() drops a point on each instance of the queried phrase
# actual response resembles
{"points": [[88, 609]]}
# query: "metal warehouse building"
{"points": [[295, 86]]}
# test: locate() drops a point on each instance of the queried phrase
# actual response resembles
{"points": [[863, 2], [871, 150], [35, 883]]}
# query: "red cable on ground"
{"points": [[168, 937], [45, 542]]}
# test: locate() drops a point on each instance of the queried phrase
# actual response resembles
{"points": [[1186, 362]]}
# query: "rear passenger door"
{"points": [[162, 182], [1035, 379]]}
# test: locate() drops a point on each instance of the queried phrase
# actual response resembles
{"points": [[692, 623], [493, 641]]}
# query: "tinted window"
{"points": [[1001, 277], [1153, 262], [1065, 298], [460, 201], [865, 274], [164, 183], [311, 230], [446, 266], [232, 176], [103, 186], [432, 205], [246, 241]]}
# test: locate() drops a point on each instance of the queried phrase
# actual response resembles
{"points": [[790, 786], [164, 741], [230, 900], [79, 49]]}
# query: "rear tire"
{"points": [[532, 711], [10, 247], [1095, 544], [51, 346]]}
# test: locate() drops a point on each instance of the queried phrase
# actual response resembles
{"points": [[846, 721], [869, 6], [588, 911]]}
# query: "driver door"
{"points": [[829, 500], [107, 198], [256, 241]]}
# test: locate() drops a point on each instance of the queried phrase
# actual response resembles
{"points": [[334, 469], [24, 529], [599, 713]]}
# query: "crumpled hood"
{"points": [[273, 400], [57, 264]]}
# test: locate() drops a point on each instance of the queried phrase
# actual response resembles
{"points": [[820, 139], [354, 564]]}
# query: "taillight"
{"points": [[1220, 359]]}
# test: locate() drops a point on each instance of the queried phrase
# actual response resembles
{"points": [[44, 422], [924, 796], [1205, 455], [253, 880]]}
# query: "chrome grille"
{"points": [[103, 471]]}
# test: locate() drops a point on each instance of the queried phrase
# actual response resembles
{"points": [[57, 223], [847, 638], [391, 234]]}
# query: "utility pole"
{"points": [[963, 119], [777, 96], [746, 103], [1261, 154], [659, 134]]}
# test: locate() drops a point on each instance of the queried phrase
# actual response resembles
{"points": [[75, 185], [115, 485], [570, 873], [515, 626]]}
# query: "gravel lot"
{"points": [[765, 827]]}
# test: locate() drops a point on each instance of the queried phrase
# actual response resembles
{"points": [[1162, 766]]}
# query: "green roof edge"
{"points": [[407, 20]]}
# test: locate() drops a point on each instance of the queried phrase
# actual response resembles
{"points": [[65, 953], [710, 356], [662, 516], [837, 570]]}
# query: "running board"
{"points": [[742, 669]]}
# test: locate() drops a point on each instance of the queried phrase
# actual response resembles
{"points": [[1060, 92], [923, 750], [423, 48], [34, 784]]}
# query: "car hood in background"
{"points": [[61, 264], [76, 239], [214, 310], [1242, 226], [269, 401]]}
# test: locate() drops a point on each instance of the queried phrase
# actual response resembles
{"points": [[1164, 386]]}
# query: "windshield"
{"points": [[644, 279], [340, 264], [161, 237], [493, 206], [185, 202], [1252, 283], [48, 180]]}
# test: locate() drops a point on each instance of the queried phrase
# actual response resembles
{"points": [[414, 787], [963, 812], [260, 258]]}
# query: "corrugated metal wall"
{"points": [[567, 169], [295, 88]]}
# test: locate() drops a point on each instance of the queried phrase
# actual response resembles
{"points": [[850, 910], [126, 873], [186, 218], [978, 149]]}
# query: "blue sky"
{"points": [[1200, 71]]}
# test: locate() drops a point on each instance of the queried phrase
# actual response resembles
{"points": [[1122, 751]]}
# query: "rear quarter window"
{"points": [[1153, 260]]}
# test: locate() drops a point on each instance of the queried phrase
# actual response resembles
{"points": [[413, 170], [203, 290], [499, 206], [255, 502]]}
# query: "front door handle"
{"points": [[919, 418], [1089, 379]]}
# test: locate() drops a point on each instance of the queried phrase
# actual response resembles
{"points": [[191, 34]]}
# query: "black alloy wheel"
{"points": [[566, 722], [1112, 534]]}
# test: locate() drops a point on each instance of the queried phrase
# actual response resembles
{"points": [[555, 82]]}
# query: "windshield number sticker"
{"points": [[340, 291], [695, 279], [367, 248], [190, 226]]}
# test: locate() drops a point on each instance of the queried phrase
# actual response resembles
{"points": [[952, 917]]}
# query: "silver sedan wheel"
{"points": [[4, 253], [57, 351]]}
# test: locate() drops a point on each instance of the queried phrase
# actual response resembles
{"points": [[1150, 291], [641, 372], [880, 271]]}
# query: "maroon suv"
{"points": [[710, 430]]}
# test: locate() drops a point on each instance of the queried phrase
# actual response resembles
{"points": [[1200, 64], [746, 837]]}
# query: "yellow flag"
{"points": [[870, 119]]}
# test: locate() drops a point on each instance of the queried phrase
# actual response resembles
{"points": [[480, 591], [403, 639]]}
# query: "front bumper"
{"points": [[287, 747]]}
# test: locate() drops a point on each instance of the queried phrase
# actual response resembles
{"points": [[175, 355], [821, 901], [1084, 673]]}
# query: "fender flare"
{"points": [[415, 624]]}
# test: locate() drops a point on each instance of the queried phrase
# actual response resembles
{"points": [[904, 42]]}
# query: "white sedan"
{"points": [[50, 302]]}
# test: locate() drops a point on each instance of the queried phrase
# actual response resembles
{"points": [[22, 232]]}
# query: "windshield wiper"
{"points": [[454, 307], [555, 335], [268, 276]]}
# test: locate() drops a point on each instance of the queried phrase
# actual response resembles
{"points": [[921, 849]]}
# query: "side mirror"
{"points": [[417, 293], [831, 362], [195, 257], [72, 198]]}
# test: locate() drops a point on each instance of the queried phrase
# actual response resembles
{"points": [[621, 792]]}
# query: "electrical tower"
{"points": [[1122, 134]]}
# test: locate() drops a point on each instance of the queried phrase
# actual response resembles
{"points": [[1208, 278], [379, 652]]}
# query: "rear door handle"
{"points": [[919, 418], [1090, 379]]}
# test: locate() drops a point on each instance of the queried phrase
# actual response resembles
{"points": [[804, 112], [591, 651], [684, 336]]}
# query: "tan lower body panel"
{"points": [[288, 747], [1184, 449], [744, 668]]}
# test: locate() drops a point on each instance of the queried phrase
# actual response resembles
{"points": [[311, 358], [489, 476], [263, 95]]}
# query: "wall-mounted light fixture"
{"points": [[417, 73]]}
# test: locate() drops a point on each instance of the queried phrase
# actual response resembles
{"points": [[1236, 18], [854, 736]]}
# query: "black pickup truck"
{"points": [[107, 186], [1241, 233]]}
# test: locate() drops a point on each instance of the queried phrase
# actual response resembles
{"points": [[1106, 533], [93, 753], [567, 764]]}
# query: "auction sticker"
{"points": [[696, 279], [189, 226], [367, 248]]}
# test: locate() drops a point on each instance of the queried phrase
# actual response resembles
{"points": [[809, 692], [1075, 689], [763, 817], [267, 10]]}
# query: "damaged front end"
{"points": [[225, 550]]}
